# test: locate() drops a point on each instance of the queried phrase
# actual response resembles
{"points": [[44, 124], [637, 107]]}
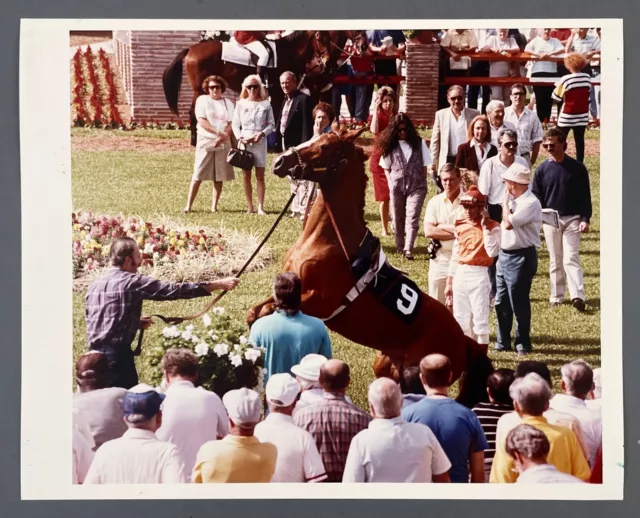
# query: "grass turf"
{"points": [[151, 183]]}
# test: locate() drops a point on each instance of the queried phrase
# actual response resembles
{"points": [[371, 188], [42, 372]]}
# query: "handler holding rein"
{"points": [[114, 307]]}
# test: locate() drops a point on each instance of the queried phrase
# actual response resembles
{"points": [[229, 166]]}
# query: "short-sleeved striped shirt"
{"points": [[488, 415], [573, 91], [333, 423]]}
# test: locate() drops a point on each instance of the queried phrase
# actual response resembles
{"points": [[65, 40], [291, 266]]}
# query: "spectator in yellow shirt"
{"points": [[531, 396]]}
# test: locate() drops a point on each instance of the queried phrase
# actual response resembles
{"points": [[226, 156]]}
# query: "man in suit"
{"points": [[295, 123], [449, 131]]}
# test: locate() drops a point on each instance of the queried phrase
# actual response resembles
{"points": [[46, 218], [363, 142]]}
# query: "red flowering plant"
{"points": [[167, 250]]}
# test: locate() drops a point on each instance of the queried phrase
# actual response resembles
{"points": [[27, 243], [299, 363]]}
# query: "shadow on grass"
{"points": [[568, 341]]}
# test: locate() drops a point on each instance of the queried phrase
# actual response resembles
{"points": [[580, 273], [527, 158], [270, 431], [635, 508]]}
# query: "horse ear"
{"points": [[352, 135]]}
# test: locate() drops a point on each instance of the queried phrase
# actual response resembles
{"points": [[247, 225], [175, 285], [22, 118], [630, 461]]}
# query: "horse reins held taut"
{"points": [[180, 320]]}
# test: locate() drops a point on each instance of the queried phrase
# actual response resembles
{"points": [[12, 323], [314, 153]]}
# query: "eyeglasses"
{"points": [[548, 146], [214, 87], [510, 145], [252, 87], [456, 98]]}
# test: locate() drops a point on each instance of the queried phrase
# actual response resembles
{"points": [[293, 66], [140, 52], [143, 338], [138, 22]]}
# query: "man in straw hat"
{"points": [[114, 307], [518, 259], [240, 456], [138, 457], [477, 242], [298, 457]]}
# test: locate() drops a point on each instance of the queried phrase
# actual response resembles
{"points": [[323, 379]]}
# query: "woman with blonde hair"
{"points": [[253, 120], [386, 108], [214, 115], [478, 148]]}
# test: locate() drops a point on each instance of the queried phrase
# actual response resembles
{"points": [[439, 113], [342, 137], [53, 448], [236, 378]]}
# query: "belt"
{"points": [[516, 251], [525, 154]]}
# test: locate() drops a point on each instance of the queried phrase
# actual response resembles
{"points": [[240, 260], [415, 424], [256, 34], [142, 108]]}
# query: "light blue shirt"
{"points": [[288, 339]]}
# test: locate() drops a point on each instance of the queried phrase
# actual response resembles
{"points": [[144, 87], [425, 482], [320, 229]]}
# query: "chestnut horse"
{"points": [[309, 53], [335, 229]]}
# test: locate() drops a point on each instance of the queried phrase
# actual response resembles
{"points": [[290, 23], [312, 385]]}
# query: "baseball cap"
{"points": [[141, 403], [243, 406], [309, 367], [282, 389], [473, 196]]}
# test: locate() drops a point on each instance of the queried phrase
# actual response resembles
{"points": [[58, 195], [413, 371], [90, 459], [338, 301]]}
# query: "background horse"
{"points": [[319, 259], [302, 52]]}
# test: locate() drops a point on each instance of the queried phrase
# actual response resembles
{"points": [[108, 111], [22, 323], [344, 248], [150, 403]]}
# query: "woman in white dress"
{"points": [[252, 121], [507, 46], [214, 115]]}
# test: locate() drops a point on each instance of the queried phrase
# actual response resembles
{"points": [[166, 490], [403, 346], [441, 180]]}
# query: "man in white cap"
{"points": [[138, 457], [391, 449], [298, 457], [518, 259], [307, 373], [240, 456]]}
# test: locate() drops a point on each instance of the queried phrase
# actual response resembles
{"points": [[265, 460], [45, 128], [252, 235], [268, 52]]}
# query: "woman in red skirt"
{"points": [[386, 108]]}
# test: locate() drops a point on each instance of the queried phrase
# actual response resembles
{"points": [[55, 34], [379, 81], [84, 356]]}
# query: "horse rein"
{"points": [[180, 320]]}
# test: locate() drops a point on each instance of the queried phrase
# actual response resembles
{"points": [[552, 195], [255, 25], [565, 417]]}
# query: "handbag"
{"points": [[240, 158]]}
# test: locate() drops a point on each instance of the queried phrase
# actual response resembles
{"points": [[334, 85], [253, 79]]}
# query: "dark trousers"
{"points": [[122, 368], [386, 67], [495, 213], [479, 69], [515, 272], [578, 136], [543, 97]]}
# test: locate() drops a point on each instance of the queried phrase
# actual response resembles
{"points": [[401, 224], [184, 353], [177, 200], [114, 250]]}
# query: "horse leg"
{"points": [[192, 119], [388, 366], [261, 310]]}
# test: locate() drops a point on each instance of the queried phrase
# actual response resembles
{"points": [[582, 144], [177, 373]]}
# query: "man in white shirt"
{"points": [[439, 223], [518, 259], [82, 456], [595, 402], [495, 114], [490, 182], [529, 448], [449, 131], [190, 416], [577, 383], [392, 450], [526, 123], [138, 457], [307, 372], [298, 457]]}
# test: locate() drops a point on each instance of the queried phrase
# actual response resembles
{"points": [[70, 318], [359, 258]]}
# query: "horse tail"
{"points": [[172, 79], [473, 383]]}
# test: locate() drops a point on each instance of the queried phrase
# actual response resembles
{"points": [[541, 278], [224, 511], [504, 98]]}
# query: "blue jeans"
{"points": [[514, 276], [363, 96]]}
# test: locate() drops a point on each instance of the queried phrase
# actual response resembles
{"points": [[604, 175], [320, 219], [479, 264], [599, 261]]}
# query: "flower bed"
{"points": [[168, 251], [227, 360]]}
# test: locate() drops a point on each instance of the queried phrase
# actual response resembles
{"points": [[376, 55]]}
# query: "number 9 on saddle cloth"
{"points": [[393, 288]]}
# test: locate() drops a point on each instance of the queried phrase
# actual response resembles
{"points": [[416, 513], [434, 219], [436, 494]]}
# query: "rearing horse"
{"points": [[309, 53], [323, 256]]}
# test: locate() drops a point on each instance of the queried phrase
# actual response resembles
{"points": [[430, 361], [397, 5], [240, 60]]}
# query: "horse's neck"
{"points": [[346, 203]]}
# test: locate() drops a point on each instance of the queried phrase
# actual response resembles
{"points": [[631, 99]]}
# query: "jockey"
{"points": [[476, 243], [255, 42]]}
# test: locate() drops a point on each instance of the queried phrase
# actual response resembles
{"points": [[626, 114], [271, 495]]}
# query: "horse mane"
{"points": [[360, 156]]}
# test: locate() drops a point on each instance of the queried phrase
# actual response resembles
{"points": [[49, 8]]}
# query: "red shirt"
{"points": [[245, 37]]}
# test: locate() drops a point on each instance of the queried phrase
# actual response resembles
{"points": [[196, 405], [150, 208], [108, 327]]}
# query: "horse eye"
{"points": [[324, 146]]}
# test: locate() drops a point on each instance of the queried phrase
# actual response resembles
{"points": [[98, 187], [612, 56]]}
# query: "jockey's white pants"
{"points": [[471, 301], [259, 50]]}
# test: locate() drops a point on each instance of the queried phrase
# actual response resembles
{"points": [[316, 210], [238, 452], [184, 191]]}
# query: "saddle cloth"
{"points": [[233, 52], [397, 293]]}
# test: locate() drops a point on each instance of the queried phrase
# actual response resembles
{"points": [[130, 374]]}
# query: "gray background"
{"points": [[10, 259]]}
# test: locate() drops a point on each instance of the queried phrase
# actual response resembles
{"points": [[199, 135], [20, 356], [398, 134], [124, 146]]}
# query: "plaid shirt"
{"points": [[114, 304], [332, 422]]}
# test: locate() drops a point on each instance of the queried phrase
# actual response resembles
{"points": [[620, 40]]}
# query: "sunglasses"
{"points": [[518, 94], [214, 87], [548, 146], [402, 129], [252, 87], [510, 145], [456, 98]]}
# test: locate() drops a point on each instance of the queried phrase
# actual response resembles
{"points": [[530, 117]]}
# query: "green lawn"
{"points": [[150, 183]]}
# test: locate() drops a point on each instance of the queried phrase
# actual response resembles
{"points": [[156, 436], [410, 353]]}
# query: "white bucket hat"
{"points": [[309, 367], [518, 173]]}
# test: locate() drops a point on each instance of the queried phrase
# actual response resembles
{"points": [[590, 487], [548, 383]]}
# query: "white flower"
{"points": [[218, 311], [195, 339], [186, 335], [166, 259], [237, 348], [201, 349], [167, 332], [221, 349], [148, 248], [206, 319], [176, 331], [189, 328], [252, 355], [236, 360], [212, 335], [243, 340]]}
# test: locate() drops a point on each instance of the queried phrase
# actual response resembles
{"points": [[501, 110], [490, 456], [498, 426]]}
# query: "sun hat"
{"points": [[282, 389], [309, 367], [518, 173], [141, 403], [243, 406]]}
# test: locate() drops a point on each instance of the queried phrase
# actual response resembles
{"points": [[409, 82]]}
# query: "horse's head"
{"points": [[319, 159]]}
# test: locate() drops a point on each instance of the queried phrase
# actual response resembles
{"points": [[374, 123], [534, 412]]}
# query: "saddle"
{"points": [[234, 52]]}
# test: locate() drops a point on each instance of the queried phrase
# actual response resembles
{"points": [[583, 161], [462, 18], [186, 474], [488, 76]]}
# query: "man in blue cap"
{"points": [[138, 457]]}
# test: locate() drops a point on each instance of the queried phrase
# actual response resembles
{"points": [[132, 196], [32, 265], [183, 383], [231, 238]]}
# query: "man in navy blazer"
{"points": [[295, 123]]}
